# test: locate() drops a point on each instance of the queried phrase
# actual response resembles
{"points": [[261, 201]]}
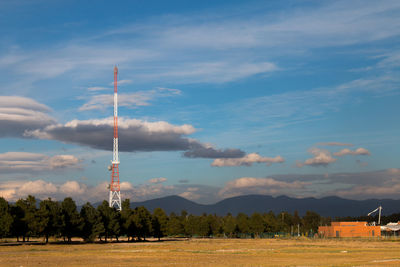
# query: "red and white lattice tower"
{"points": [[115, 193]]}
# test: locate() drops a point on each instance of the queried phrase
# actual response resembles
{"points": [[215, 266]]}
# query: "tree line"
{"points": [[48, 218]]}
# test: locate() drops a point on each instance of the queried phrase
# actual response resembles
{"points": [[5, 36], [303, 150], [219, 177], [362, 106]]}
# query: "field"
{"points": [[209, 252]]}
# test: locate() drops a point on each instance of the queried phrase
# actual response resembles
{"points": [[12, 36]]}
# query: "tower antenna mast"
{"points": [[115, 193]]}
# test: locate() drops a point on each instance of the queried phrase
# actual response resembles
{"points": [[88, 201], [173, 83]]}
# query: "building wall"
{"points": [[349, 229]]}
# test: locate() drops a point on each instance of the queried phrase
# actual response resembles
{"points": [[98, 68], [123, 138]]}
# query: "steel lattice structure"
{"points": [[115, 193]]}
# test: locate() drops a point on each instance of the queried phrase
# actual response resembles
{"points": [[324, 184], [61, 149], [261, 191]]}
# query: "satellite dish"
{"points": [[109, 168]]}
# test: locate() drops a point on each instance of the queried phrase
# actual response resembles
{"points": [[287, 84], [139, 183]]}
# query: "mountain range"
{"points": [[327, 206]]}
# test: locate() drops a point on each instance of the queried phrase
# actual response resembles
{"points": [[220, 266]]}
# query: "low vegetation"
{"points": [[208, 252]]}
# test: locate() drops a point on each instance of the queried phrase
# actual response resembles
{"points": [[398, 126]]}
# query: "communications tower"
{"points": [[115, 193]]}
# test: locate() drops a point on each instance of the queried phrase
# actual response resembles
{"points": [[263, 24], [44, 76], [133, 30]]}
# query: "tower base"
{"points": [[115, 200]]}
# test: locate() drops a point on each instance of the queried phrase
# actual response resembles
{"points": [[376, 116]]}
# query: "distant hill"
{"points": [[327, 206]]}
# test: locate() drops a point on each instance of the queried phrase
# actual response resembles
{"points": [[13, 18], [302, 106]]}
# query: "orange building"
{"points": [[349, 229]]}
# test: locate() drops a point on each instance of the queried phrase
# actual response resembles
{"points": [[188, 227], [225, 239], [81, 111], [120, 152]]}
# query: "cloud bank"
{"points": [[136, 135], [18, 114], [360, 185], [24, 162]]}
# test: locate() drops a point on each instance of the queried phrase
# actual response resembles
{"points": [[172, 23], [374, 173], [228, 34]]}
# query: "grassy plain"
{"points": [[209, 252]]}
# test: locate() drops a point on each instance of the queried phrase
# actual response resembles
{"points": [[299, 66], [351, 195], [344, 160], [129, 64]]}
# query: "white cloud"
{"points": [[81, 193], [14, 162], [190, 195], [141, 98], [250, 185], [98, 88], [37, 188], [125, 186], [321, 157], [18, 114], [157, 180], [72, 188], [122, 82], [358, 151], [214, 72], [247, 160]]}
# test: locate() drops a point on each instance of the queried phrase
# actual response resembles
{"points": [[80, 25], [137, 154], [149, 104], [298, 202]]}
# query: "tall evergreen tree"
{"points": [[311, 221], [125, 221], [111, 220], [50, 218], [115, 223], [257, 224], [175, 225], [229, 225], [18, 227], [29, 222], [105, 215], [6, 219], [142, 220], [271, 224], [214, 224], [92, 225], [203, 226], [71, 221], [243, 223], [191, 226], [159, 223]]}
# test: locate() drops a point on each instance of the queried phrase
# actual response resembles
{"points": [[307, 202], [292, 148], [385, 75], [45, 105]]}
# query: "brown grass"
{"points": [[209, 252]]}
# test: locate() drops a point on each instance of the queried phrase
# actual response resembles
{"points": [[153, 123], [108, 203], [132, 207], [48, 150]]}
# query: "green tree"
{"points": [[284, 221], [203, 226], [311, 221], [6, 219], [257, 223], [175, 225], [18, 227], [142, 220], [92, 225], [215, 225], [229, 225], [50, 218], [115, 223], [125, 221], [111, 220], [271, 224], [130, 227], [192, 225], [29, 221], [159, 223], [70, 219], [242, 221]]}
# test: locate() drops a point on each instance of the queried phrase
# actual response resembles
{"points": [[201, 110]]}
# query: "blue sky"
{"points": [[217, 98]]}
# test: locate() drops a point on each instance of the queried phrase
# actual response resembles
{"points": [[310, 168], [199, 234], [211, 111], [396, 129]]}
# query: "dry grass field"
{"points": [[209, 252]]}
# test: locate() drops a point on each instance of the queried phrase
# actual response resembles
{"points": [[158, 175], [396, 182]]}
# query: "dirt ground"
{"points": [[208, 252]]}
